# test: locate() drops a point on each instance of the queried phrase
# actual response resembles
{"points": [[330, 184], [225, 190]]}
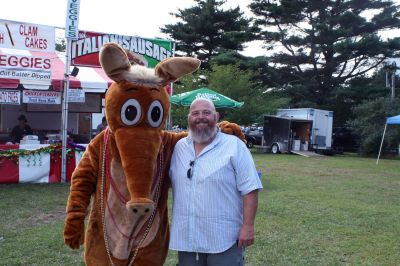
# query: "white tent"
{"points": [[394, 120]]}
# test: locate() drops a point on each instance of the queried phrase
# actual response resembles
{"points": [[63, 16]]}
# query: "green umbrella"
{"points": [[219, 100]]}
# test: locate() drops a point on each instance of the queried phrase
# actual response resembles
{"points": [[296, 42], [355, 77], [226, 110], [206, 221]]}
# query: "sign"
{"points": [[23, 67], [41, 97], [76, 96], [85, 50], [26, 36], [92, 104], [72, 21], [10, 97]]}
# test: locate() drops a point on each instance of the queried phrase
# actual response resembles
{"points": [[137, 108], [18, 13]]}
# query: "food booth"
{"points": [[31, 83]]}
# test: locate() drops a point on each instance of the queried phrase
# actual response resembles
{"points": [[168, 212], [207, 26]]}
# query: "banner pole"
{"points": [[64, 117], [169, 121]]}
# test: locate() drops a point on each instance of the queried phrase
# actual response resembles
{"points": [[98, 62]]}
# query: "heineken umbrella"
{"points": [[219, 100]]}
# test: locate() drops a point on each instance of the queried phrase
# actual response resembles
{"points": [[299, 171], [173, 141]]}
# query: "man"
{"points": [[20, 130], [102, 125], [215, 193]]}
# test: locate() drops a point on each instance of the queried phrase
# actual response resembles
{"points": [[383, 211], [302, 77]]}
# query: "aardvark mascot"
{"points": [[124, 171]]}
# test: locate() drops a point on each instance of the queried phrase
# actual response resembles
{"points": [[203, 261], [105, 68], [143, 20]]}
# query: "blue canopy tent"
{"points": [[394, 120]]}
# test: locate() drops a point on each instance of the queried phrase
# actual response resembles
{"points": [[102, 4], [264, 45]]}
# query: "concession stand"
{"points": [[31, 83]]}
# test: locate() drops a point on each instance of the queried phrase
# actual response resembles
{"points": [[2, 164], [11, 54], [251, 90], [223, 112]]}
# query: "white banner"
{"points": [[76, 96], [33, 68], [26, 36], [41, 97], [72, 20], [10, 97]]}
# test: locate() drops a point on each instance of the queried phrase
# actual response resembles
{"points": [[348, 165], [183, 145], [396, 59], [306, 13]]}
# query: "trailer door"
{"points": [[276, 129], [322, 129]]}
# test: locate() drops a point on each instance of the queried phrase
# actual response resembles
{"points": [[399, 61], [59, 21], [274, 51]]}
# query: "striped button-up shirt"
{"points": [[207, 202]]}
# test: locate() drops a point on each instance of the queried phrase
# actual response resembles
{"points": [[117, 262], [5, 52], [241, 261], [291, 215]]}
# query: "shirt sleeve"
{"points": [[247, 178]]}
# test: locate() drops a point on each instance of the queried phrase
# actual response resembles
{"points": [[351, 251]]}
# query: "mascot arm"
{"points": [[232, 129], [83, 183], [173, 137]]}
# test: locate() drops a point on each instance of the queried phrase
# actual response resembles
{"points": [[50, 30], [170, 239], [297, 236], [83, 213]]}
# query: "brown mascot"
{"points": [[124, 171]]}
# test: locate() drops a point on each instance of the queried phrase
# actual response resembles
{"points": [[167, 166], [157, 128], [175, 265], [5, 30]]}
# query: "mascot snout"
{"points": [[139, 167]]}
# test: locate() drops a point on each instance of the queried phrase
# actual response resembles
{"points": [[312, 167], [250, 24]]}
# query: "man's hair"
{"points": [[203, 99], [22, 118]]}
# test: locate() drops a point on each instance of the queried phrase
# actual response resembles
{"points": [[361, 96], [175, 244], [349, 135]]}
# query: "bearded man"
{"points": [[215, 193]]}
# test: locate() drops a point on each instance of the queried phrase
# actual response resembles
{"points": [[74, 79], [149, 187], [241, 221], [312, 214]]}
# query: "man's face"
{"points": [[202, 122]]}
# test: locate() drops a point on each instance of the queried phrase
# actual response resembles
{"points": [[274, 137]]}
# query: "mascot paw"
{"points": [[74, 233], [232, 129]]}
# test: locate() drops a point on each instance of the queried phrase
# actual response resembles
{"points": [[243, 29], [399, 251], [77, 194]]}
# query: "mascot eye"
{"points": [[155, 114], [131, 112]]}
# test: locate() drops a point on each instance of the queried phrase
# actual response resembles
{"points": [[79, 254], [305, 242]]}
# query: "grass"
{"points": [[340, 210]]}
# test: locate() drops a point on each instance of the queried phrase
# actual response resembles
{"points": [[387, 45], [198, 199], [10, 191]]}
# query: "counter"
{"points": [[36, 163]]}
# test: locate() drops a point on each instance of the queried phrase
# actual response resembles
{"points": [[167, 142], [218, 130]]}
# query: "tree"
{"points": [[325, 43], [235, 83], [206, 29], [60, 45], [369, 119]]}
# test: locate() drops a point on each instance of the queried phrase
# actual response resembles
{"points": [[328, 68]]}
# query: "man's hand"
{"points": [[246, 236]]}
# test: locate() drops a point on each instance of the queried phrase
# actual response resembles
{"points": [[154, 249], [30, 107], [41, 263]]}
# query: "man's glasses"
{"points": [[189, 171]]}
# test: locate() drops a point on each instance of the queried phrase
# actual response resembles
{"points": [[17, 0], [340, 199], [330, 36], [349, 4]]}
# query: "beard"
{"points": [[204, 134]]}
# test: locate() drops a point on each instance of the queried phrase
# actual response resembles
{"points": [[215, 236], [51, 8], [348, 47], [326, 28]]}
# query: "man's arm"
{"points": [[246, 233]]}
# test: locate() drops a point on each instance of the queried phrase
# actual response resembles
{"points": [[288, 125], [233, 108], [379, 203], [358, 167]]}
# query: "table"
{"points": [[42, 165]]}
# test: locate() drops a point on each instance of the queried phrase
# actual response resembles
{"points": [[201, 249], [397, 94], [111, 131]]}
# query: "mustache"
{"points": [[201, 120]]}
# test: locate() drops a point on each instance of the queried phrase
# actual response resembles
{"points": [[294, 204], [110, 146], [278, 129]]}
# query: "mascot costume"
{"points": [[123, 174]]}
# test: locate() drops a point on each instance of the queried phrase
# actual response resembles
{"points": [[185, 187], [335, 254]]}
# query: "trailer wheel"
{"points": [[275, 149], [250, 143]]}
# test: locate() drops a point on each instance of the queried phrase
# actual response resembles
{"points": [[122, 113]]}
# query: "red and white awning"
{"points": [[89, 79]]}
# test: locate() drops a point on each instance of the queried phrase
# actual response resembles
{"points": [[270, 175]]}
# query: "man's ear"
{"points": [[216, 117]]}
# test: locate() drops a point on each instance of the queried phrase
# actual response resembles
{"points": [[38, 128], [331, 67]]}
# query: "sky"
{"points": [[124, 17]]}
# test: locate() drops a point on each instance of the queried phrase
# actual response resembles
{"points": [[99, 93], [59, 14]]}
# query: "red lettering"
{"points": [[3, 59], [24, 62], [46, 63], [13, 61], [36, 43], [37, 63]]}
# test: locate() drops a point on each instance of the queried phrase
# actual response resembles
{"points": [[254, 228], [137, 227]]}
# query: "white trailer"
{"points": [[293, 130]]}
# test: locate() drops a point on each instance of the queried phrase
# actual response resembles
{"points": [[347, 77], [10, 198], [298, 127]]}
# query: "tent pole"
{"points": [[64, 117], [380, 149]]}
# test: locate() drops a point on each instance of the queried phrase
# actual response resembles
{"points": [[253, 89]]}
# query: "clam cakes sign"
{"points": [[24, 36], [85, 50]]}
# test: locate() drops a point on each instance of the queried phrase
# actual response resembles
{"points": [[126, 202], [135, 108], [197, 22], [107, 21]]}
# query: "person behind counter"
{"points": [[102, 125], [20, 130]]}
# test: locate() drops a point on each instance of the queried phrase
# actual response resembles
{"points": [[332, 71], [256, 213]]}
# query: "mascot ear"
{"points": [[173, 68], [114, 61]]}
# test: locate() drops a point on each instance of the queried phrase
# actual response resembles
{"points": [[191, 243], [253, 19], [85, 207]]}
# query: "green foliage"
{"points": [[369, 120], [358, 90], [240, 86], [205, 29], [234, 83], [324, 43], [60, 45]]}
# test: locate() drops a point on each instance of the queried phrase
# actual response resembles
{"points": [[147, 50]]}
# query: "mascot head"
{"points": [[137, 106]]}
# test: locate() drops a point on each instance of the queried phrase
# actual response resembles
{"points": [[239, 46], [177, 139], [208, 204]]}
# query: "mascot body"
{"points": [[124, 170]]}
